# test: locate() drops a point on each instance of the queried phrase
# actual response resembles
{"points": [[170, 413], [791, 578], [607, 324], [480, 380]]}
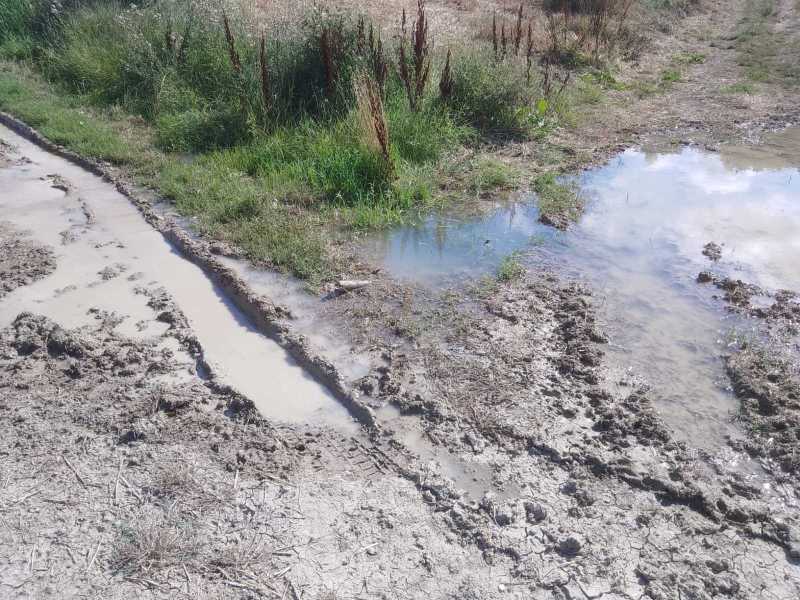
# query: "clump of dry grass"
{"points": [[174, 479], [372, 118], [154, 542], [247, 552], [266, 92], [415, 80], [446, 82], [233, 54]]}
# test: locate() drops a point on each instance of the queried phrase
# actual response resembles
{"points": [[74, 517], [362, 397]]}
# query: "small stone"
{"points": [[704, 277], [570, 545], [569, 487], [534, 512]]}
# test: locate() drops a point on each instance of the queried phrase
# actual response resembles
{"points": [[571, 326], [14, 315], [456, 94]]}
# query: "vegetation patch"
{"points": [[559, 202], [765, 54], [279, 134], [510, 269]]}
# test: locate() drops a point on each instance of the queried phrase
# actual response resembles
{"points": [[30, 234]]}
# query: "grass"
{"points": [[228, 204], [670, 76], [487, 174], [767, 55], [738, 88], [690, 58], [510, 269], [558, 201], [284, 152]]}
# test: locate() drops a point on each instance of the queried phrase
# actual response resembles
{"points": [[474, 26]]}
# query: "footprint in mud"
{"points": [[65, 290], [712, 251]]}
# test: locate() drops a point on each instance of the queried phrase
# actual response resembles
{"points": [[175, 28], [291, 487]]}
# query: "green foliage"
{"points": [[557, 200], [510, 269], [492, 96], [690, 58], [488, 174], [765, 54], [670, 76], [738, 88]]}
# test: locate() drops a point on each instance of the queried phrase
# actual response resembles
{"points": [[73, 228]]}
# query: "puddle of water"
{"points": [[474, 479], [306, 320], [118, 242], [639, 245]]}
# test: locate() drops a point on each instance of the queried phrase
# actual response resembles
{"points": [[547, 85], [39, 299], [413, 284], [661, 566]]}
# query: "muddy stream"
{"points": [[639, 245], [109, 261]]}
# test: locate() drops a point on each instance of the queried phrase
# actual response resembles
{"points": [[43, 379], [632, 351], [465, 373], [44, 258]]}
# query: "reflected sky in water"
{"points": [[639, 245]]}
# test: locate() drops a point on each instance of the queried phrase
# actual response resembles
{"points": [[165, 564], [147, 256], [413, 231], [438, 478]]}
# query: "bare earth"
{"points": [[490, 463]]}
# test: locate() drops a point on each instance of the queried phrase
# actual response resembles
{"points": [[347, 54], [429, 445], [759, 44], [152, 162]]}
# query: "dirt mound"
{"points": [[21, 260]]}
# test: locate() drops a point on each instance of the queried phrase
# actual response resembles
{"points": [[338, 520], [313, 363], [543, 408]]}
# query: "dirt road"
{"points": [[478, 457]]}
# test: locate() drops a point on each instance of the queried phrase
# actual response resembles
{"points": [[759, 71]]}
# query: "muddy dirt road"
{"points": [[177, 423], [127, 470]]}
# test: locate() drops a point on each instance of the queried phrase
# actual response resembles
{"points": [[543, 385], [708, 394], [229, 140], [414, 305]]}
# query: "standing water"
{"points": [[106, 254], [639, 245]]}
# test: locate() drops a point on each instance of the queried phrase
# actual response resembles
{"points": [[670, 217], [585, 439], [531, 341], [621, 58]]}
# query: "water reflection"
{"points": [[639, 244]]}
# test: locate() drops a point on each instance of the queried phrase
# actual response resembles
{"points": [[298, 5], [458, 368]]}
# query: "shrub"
{"points": [[492, 96]]}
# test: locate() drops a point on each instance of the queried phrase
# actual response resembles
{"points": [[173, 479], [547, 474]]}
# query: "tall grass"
{"points": [[317, 114]]}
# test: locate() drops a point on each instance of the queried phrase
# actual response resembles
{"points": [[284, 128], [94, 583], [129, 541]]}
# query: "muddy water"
{"points": [[639, 244], [106, 254]]}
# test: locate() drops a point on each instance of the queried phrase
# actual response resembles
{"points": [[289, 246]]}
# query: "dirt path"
{"points": [[491, 463], [158, 483]]}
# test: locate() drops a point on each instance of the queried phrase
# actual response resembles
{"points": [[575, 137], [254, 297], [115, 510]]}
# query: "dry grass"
{"points": [[155, 541], [372, 118], [416, 77]]}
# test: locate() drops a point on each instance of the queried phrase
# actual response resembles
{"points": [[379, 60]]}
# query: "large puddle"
{"points": [[106, 253], [639, 244]]}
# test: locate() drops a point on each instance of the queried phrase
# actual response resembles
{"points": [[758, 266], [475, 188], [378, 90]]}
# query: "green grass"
{"points": [[557, 200], [690, 58], [738, 88], [510, 269], [228, 204], [487, 174], [279, 175], [670, 76]]}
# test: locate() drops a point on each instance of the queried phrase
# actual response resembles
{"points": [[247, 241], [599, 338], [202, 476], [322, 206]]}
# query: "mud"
{"points": [[505, 453], [112, 260], [533, 479], [21, 260]]}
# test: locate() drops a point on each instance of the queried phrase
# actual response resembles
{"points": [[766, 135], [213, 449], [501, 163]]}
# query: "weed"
{"points": [[487, 174], [154, 542], [372, 120], [415, 70], [559, 202], [493, 97], [510, 269], [670, 76], [690, 58], [738, 88]]}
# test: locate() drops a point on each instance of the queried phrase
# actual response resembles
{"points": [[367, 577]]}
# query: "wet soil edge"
{"points": [[265, 315]]}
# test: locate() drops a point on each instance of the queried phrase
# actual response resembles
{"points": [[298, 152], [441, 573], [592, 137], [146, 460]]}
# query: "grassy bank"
{"points": [[274, 131], [766, 54]]}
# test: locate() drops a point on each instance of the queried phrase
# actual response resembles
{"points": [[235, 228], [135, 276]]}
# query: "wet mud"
{"points": [[502, 454]]}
